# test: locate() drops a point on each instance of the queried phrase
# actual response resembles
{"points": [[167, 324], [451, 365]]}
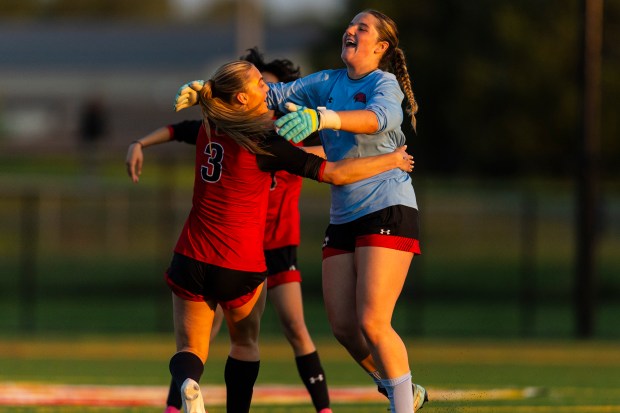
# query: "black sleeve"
{"points": [[186, 131], [313, 140], [287, 157]]}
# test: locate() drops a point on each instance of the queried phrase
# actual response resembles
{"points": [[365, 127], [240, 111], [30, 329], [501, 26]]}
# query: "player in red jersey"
{"points": [[282, 237], [219, 257]]}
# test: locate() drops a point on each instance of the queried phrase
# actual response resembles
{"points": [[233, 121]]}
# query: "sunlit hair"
{"points": [[245, 125], [393, 59]]}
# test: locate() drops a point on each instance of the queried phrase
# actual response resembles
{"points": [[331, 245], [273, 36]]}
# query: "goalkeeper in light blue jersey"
{"points": [[375, 95], [373, 233]]}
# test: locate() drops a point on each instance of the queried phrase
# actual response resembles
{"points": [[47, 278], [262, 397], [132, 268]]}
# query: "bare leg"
{"points": [[244, 325], [174, 399], [243, 362], [339, 287], [381, 276], [287, 300], [192, 326]]}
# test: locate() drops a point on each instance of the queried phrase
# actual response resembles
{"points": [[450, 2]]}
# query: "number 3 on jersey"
{"points": [[212, 171]]}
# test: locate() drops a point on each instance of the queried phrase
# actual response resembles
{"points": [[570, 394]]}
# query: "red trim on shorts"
{"points": [[239, 301], [182, 292], [186, 295], [283, 277], [330, 252], [389, 241]]}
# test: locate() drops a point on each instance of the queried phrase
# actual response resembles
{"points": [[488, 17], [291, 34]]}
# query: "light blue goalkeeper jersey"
{"points": [[379, 92]]}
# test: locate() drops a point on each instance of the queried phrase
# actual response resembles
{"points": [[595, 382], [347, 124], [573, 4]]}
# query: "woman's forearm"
{"points": [[160, 135], [358, 121], [347, 171]]}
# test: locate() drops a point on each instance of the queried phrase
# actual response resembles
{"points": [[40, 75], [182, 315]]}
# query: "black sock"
{"points": [[184, 365], [240, 377], [174, 396], [313, 377]]}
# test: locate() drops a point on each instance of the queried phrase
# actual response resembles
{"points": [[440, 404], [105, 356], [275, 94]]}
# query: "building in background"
{"points": [[48, 69]]}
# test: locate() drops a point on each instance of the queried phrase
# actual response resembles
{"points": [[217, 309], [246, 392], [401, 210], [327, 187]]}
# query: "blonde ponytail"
{"points": [[246, 126]]}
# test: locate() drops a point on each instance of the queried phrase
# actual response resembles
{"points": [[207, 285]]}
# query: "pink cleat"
{"points": [[172, 409]]}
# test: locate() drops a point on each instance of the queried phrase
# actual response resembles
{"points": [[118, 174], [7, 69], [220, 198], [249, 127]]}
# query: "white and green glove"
{"points": [[187, 95], [301, 121]]}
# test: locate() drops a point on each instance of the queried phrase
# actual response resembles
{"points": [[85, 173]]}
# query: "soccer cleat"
{"points": [[171, 409], [192, 398], [420, 396]]}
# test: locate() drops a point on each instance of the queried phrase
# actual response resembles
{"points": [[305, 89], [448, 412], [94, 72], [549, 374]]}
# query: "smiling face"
{"points": [[255, 94], [361, 48]]}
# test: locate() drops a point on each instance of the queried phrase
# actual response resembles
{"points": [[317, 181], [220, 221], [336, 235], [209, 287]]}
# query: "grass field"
{"points": [[90, 272], [465, 375]]}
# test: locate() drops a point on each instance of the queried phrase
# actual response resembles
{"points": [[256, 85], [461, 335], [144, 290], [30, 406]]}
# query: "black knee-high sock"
{"points": [[313, 376], [184, 365], [240, 377], [174, 396]]}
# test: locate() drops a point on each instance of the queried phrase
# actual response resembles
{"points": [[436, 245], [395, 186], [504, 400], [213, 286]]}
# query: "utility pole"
{"points": [[588, 170]]}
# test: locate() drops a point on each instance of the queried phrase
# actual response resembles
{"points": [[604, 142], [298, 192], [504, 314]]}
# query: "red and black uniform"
{"points": [[219, 254], [282, 234]]}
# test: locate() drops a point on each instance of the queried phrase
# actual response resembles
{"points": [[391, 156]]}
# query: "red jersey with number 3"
{"points": [[226, 224]]}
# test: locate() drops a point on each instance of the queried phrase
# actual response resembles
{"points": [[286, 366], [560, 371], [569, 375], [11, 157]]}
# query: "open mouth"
{"points": [[349, 43]]}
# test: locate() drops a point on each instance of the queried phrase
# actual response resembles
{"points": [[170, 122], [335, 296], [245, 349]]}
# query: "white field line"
{"points": [[39, 394]]}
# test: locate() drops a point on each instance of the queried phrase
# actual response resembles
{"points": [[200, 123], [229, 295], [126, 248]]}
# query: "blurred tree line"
{"points": [[498, 83]]}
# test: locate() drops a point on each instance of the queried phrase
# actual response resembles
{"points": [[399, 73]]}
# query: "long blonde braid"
{"points": [[402, 74]]}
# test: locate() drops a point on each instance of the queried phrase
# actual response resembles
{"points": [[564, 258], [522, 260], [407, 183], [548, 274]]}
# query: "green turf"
{"points": [[569, 376]]}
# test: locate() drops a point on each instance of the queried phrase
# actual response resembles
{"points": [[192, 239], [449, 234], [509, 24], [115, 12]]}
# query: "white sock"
{"points": [[399, 393]]}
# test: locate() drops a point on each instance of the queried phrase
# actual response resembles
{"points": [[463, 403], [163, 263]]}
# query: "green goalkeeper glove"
{"points": [[187, 95], [298, 124], [301, 121]]}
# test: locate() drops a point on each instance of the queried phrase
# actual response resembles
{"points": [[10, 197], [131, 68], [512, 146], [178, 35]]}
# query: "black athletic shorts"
{"points": [[282, 266], [197, 281], [396, 227]]}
